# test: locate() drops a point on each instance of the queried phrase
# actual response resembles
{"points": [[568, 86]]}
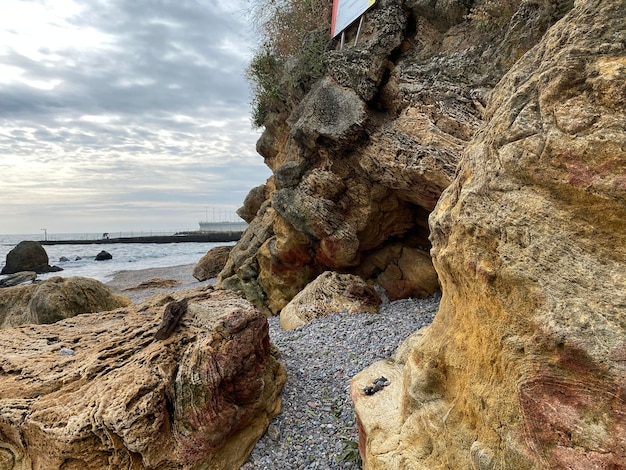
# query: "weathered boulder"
{"points": [[361, 160], [97, 391], [329, 112], [28, 256], [525, 364], [18, 278], [329, 293], [55, 299], [212, 263], [103, 256], [252, 203]]}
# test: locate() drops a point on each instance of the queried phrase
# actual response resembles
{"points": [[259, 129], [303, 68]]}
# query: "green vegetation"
{"points": [[295, 36], [350, 453]]}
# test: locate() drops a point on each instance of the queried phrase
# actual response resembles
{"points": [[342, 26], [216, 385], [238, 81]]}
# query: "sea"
{"points": [[126, 256]]}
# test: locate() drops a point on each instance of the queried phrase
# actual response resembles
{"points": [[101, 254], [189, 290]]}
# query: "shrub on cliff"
{"points": [[294, 37]]}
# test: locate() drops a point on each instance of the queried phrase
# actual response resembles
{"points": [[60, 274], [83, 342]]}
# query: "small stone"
{"points": [[273, 432], [67, 352]]}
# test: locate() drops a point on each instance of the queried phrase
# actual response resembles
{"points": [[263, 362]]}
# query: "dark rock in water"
{"points": [[18, 278], [78, 258], [63, 259], [103, 255], [28, 256]]}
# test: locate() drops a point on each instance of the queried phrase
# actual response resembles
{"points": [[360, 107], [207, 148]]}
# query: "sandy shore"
{"points": [[141, 284]]}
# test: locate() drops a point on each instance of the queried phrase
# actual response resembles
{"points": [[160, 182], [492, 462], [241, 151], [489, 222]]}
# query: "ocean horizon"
{"points": [[126, 256]]}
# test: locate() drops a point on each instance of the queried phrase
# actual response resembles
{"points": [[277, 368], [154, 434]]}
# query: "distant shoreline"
{"points": [[198, 237]]}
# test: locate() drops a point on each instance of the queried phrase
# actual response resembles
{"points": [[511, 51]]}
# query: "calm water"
{"points": [[131, 256]]}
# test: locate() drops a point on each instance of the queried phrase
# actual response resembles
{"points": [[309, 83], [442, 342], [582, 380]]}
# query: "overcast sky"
{"points": [[121, 115]]}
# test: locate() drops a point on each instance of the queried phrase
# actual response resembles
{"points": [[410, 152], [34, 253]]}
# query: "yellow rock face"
{"points": [[524, 366], [98, 391]]}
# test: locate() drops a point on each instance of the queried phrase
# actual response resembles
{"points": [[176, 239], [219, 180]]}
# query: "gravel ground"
{"points": [[316, 427]]}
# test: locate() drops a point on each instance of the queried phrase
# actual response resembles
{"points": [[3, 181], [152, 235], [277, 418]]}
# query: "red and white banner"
{"points": [[345, 12]]}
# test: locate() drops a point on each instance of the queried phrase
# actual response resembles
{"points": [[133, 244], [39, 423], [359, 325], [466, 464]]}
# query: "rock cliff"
{"points": [[525, 364], [98, 391], [360, 161]]}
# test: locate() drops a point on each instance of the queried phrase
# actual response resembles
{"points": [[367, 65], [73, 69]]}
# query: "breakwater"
{"points": [[199, 237]]}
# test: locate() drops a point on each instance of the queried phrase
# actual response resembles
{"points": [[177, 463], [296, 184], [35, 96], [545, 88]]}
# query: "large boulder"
{"points": [[28, 256], [329, 293], [252, 203], [524, 366], [212, 263], [55, 299], [98, 391]]}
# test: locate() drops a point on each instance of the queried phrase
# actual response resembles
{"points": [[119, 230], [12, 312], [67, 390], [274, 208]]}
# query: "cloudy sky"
{"points": [[119, 115]]}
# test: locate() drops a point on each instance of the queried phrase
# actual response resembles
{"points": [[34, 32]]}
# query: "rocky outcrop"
{"points": [[28, 256], [55, 299], [329, 293], [525, 364], [97, 391], [252, 203], [361, 160], [212, 263]]}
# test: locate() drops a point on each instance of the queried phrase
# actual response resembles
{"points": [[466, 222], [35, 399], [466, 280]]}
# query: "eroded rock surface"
{"points": [[55, 299], [211, 263], [402, 271], [329, 293], [97, 391], [525, 364], [361, 160]]}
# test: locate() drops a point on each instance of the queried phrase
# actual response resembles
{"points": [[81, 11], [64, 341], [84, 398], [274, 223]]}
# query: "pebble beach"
{"points": [[316, 428]]}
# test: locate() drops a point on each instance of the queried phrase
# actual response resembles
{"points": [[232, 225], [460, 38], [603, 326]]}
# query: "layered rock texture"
{"points": [[524, 366], [98, 391], [361, 160], [212, 263], [55, 299], [329, 293]]}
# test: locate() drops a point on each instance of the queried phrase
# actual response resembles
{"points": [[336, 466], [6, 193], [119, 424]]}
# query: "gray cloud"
{"points": [[151, 119]]}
